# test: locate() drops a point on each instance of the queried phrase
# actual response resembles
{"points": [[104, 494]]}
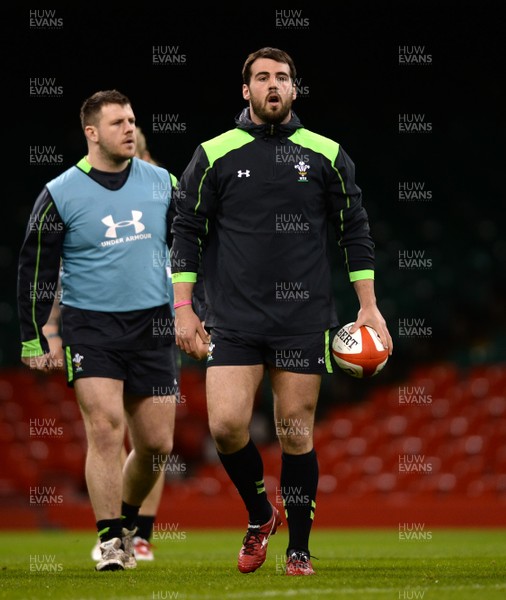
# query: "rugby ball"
{"points": [[360, 354]]}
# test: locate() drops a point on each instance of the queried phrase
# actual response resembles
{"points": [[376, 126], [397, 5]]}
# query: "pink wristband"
{"points": [[182, 303]]}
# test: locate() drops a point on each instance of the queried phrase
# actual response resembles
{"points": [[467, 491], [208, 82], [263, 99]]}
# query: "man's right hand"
{"points": [[38, 363], [191, 337], [46, 363], [202, 346]]}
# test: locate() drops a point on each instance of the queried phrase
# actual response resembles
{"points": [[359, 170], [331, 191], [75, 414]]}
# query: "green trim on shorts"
{"points": [[328, 358], [68, 358]]}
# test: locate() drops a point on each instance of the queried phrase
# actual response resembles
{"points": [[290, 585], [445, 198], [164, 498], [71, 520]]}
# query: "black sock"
{"points": [[109, 528], [145, 526], [246, 470], [299, 482], [129, 514]]}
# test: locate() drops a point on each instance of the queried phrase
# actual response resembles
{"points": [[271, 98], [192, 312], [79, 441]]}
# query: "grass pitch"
{"points": [[201, 565]]}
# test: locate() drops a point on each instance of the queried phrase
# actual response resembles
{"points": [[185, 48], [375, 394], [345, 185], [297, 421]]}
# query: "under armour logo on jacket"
{"points": [[112, 226], [243, 173]]}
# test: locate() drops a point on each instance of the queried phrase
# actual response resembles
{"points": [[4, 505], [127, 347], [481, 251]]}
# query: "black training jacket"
{"points": [[254, 206]]}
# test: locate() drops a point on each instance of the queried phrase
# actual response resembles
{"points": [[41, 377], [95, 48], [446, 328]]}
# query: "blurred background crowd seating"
{"points": [[433, 445]]}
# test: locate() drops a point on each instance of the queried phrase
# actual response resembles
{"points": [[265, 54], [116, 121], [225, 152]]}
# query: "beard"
{"points": [[116, 154], [267, 114]]}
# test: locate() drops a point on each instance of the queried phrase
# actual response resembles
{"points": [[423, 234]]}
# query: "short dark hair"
{"points": [[268, 52], [93, 105]]}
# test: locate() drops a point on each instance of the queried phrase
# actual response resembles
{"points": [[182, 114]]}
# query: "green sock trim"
{"points": [[260, 486]]}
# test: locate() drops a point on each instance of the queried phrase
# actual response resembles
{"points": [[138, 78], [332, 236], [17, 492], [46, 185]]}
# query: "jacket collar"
{"points": [[265, 130]]}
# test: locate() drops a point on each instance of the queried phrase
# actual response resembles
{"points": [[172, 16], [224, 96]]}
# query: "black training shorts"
{"points": [[304, 353], [145, 372]]}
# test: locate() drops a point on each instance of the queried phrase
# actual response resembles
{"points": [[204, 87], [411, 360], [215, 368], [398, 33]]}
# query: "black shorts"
{"points": [[144, 372], [305, 353]]}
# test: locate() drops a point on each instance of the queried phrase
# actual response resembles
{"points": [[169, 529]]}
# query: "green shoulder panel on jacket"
{"points": [[226, 142], [316, 142]]}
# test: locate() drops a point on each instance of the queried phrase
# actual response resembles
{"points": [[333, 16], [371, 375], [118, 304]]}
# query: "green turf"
{"points": [[356, 564]]}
